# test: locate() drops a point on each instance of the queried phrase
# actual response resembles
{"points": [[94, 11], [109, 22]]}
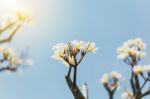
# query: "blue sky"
{"points": [[106, 22]]}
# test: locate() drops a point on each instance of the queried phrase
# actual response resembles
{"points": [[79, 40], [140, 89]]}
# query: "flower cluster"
{"points": [[127, 95], [10, 61], [112, 81], [141, 69], [21, 18], [132, 50], [69, 53]]}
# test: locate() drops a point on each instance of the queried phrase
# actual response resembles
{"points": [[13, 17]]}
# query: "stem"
{"points": [[144, 84], [145, 94], [111, 95], [135, 78], [132, 83], [137, 84], [75, 75], [110, 92], [68, 75], [146, 80]]}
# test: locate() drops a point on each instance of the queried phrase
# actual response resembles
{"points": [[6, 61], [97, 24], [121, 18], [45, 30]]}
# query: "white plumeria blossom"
{"points": [[91, 48], [141, 69], [11, 59], [85, 90], [138, 70], [59, 46], [16, 61], [29, 62], [59, 50], [116, 75], [105, 78], [112, 80], [138, 42], [135, 47], [82, 45], [7, 51], [23, 17], [67, 52], [78, 44], [127, 95], [146, 68]]}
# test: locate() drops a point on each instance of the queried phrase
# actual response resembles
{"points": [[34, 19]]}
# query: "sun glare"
{"points": [[10, 4]]}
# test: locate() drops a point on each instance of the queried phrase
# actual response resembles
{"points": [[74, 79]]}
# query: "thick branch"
{"points": [[9, 38], [74, 89], [6, 27]]}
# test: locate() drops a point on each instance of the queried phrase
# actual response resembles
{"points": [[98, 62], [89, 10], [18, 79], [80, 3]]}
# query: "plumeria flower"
{"points": [[141, 69], [138, 70], [16, 61], [138, 42], [67, 53], [60, 46], [23, 17], [71, 54], [133, 49], [111, 81], [146, 68], [116, 75], [91, 47], [59, 51], [10, 60], [58, 55], [7, 52], [29, 62], [105, 78], [127, 95], [78, 44]]}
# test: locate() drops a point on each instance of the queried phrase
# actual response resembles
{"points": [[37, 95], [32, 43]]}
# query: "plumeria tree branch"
{"points": [[132, 82], [145, 94], [8, 26], [9, 38], [74, 89], [9, 55], [111, 82], [132, 52], [14, 25], [110, 92]]}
